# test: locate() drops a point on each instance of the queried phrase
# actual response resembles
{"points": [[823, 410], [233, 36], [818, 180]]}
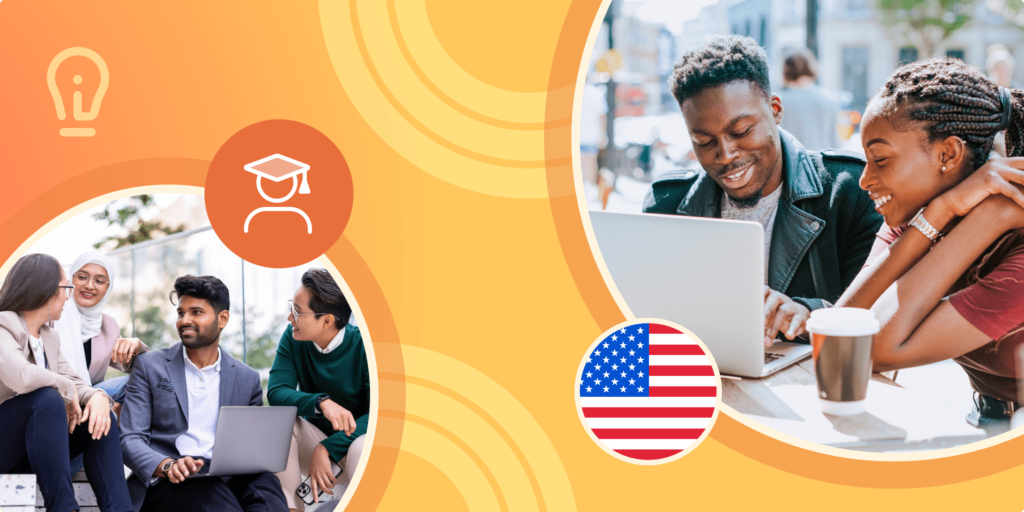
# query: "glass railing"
{"points": [[144, 276]]}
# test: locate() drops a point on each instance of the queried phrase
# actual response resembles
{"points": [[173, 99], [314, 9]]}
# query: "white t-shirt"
{"points": [[763, 212]]}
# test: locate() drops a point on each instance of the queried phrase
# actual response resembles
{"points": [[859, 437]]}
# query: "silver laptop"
{"points": [[251, 440], [704, 274]]}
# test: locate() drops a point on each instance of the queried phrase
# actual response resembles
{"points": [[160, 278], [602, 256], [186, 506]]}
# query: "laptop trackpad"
{"points": [[783, 354]]}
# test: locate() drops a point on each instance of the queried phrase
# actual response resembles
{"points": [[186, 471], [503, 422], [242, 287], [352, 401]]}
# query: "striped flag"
{"points": [[648, 391]]}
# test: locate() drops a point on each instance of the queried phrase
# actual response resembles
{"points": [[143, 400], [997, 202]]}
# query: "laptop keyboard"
{"points": [[771, 356]]}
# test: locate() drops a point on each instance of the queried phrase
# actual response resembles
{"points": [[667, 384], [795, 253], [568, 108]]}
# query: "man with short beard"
{"points": [[172, 404], [819, 225]]}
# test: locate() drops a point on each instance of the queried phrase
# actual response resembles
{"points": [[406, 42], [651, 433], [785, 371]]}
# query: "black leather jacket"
{"points": [[824, 228]]}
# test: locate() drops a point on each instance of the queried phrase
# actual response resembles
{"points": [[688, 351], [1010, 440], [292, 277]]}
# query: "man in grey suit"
{"points": [[172, 403]]}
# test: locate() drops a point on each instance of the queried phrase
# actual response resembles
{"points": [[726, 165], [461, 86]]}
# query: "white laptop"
{"points": [[251, 440], [704, 274]]}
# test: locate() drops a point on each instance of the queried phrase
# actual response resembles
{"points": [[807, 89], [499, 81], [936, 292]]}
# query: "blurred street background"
{"points": [[631, 128]]}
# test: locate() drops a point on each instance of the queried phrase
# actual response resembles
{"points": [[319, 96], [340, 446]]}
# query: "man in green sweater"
{"points": [[321, 369]]}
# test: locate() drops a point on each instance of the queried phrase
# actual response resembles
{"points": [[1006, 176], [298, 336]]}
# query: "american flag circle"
{"points": [[648, 391]]}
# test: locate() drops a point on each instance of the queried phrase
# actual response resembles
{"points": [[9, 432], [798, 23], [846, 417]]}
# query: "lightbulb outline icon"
{"points": [[58, 101]]}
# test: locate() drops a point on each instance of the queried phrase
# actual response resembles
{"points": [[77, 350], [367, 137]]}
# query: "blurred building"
{"points": [[713, 20], [648, 51], [752, 18], [856, 52]]}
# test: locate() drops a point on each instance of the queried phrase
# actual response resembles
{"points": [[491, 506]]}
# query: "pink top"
{"points": [[103, 348]]}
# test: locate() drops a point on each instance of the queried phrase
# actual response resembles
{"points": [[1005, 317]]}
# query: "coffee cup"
{"points": [[842, 339]]}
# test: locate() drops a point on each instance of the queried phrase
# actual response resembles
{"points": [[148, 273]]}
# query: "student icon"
{"points": [[278, 168]]}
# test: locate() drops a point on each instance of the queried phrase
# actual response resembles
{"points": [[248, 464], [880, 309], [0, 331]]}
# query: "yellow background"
{"points": [[466, 248]]}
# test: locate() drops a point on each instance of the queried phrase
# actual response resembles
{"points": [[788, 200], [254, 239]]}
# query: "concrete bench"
{"points": [[19, 493]]}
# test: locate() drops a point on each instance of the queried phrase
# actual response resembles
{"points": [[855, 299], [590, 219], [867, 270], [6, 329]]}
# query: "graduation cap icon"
{"points": [[278, 168]]}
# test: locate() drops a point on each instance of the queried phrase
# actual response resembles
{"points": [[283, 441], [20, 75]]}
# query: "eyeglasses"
{"points": [[82, 279], [296, 314], [68, 289]]}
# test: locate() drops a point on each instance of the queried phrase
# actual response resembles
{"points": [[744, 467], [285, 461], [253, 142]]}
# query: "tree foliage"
{"points": [[1012, 10], [926, 22], [127, 214]]}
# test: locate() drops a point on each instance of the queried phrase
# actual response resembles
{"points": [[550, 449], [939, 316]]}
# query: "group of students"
{"points": [[58, 413], [926, 231]]}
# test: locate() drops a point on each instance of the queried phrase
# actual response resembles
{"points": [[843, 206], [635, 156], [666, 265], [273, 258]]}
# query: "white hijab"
{"points": [[79, 324]]}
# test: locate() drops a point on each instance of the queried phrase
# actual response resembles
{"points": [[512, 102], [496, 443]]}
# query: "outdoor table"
{"points": [[923, 409]]}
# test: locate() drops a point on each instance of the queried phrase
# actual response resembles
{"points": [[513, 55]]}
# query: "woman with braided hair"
{"points": [[946, 275]]}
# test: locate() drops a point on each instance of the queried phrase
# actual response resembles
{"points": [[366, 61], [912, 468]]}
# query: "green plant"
{"points": [[260, 347], [927, 22], [127, 213], [1012, 10]]}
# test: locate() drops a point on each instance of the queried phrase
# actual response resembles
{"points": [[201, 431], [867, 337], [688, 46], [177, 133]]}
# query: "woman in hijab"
{"points": [[89, 338]]}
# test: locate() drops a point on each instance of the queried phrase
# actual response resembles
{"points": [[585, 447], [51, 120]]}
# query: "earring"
{"points": [[48, 313], [943, 167]]}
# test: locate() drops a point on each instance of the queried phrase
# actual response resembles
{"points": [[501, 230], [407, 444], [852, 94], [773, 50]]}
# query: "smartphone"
{"points": [[305, 491]]}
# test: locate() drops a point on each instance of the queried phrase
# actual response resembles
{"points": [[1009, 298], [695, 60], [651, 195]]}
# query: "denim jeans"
{"points": [[115, 389]]}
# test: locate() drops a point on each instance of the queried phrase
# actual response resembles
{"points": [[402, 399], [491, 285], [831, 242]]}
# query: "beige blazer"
{"points": [[19, 373]]}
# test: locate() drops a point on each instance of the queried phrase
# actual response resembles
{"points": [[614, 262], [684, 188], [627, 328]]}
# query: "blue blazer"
{"points": [[155, 409]]}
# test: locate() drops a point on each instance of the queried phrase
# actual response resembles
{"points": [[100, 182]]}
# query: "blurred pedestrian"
{"points": [[810, 113], [1000, 65]]}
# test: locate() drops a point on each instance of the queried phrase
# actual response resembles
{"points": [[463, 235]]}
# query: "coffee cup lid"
{"points": [[843, 322]]}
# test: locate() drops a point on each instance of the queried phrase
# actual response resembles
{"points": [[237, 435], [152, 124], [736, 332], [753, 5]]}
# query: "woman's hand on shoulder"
{"points": [[998, 177]]}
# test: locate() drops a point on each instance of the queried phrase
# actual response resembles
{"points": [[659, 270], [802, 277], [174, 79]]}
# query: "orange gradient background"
{"points": [[465, 245]]}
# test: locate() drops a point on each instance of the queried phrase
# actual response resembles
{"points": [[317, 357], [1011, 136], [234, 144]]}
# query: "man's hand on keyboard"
{"points": [[782, 316]]}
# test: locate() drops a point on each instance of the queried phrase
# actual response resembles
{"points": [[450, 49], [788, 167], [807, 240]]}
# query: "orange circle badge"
{"points": [[279, 193]]}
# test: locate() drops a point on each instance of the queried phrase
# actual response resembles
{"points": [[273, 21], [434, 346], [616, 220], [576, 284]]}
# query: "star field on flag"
{"points": [[648, 391]]}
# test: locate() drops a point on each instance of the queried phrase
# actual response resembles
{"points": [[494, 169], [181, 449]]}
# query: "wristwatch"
{"points": [[319, 399], [167, 465], [925, 227]]}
